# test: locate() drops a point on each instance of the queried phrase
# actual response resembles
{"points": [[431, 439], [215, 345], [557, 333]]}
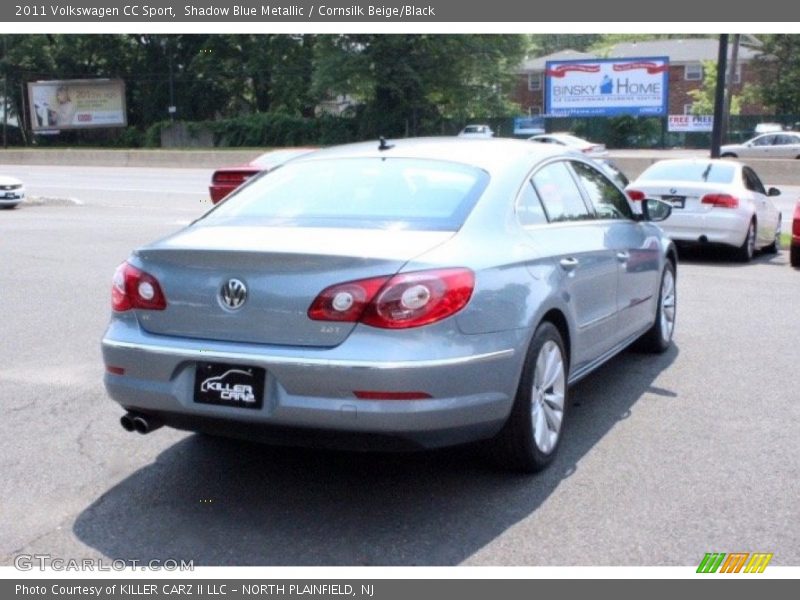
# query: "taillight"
{"points": [[396, 302], [635, 195], [231, 177], [133, 288], [720, 200]]}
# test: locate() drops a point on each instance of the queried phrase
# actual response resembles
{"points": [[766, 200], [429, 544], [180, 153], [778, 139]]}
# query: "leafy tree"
{"points": [[703, 97], [409, 84], [780, 61]]}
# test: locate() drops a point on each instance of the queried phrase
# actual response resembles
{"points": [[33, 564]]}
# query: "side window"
{"points": [[529, 207], [767, 140], [607, 200], [752, 182], [559, 193]]}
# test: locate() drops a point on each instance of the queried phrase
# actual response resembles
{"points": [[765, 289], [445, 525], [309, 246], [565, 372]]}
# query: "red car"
{"points": [[227, 179], [794, 250]]}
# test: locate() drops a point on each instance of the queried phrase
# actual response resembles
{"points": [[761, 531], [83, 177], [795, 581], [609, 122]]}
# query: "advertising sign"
{"points": [[690, 123], [607, 87], [77, 104], [528, 125]]}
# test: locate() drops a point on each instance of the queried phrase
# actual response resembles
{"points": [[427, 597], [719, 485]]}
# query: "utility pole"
{"points": [[171, 85], [5, 91], [719, 95], [731, 80]]}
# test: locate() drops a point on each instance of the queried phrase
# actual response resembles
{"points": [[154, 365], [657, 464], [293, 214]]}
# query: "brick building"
{"points": [[686, 58]]}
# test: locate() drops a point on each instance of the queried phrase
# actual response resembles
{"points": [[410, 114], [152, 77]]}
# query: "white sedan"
{"points": [[567, 139], [713, 201], [769, 145], [12, 191]]}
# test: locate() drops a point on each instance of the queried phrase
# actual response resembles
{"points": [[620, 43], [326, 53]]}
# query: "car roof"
{"points": [[490, 154]]}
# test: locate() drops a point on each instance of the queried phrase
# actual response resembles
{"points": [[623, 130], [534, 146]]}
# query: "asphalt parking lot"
{"points": [[665, 458]]}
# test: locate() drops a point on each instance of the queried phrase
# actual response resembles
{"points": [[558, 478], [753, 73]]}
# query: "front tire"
{"points": [[659, 337], [531, 437], [775, 246]]}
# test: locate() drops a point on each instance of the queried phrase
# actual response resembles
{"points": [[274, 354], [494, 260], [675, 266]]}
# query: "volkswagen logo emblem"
{"points": [[673, 190], [233, 294]]}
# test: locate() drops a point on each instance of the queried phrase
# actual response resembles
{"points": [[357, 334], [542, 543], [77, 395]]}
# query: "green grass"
{"points": [[786, 239]]}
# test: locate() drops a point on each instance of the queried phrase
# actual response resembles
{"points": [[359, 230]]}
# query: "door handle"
{"points": [[568, 264], [623, 256]]}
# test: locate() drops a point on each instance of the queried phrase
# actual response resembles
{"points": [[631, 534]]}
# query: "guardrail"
{"points": [[771, 171]]}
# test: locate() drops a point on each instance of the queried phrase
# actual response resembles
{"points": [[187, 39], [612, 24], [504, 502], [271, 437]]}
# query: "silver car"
{"points": [[412, 294], [784, 144]]}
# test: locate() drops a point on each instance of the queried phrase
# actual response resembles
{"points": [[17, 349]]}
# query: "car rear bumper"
{"points": [[11, 198], [313, 390], [715, 227]]}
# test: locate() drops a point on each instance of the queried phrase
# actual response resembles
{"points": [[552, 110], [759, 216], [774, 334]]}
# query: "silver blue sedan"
{"points": [[419, 293]]}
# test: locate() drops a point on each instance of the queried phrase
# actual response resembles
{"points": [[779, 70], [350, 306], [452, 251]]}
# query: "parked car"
{"points": [[714, 201], [227, 179], [794, 249], [769, 145], [571, 141], [12, 191], [478, 131], [428, 292]]}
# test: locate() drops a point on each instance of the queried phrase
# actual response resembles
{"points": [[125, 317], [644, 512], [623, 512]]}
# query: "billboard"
{"points": [[77, 104], [607, 87]]}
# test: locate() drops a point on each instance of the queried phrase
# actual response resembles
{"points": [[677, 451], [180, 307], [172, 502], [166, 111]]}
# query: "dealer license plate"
{"points": [[229, 385]]}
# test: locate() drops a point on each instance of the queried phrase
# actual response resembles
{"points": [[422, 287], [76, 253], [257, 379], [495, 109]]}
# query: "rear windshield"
{"points": [[360, 192], [699, 172]]}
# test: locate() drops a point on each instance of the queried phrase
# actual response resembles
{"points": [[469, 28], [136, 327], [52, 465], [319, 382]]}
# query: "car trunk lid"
{"points": [[283, 270]]}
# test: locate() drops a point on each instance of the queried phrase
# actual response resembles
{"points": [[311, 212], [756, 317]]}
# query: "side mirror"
{"points": [[773, 191], [655, 210]]}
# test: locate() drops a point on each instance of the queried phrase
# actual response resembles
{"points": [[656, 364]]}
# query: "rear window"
{"points": [[699, 172], [360, 192]]}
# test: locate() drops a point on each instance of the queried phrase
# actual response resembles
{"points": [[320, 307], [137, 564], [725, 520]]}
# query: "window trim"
{"points": [[590, 212], [535, 77], [588, 200]]}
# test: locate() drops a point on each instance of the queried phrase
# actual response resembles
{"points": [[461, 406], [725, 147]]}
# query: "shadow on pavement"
{"points": [[226, 502], [722, 256]]}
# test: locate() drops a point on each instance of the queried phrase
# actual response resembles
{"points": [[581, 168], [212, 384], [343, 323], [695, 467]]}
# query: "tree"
{"points": [[703, 97], [408, 84], [780, 62]]}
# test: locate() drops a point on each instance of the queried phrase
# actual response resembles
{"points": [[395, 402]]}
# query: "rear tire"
{"points": [[659, 337], [531, 437], [744, 253]]}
